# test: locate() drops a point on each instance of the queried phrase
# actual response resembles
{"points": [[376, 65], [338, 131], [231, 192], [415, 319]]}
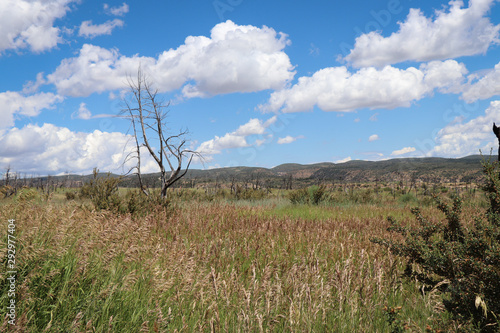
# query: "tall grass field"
{"points": [[219, 265]]}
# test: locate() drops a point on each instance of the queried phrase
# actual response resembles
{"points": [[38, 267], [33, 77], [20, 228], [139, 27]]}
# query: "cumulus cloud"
{"points": [[373, 137], [89, 30], [482, 86], [95, 70], [14, 104], [337, 89], [452, 33], [403, 151], [462, 138], [253, 126], [30, 24], [235, 58], [49, 149], [117, 11], [289, 139], [237, 138]]}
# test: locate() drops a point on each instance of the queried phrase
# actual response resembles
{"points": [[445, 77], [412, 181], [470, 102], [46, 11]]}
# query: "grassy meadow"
{"points": [[209, 263]]}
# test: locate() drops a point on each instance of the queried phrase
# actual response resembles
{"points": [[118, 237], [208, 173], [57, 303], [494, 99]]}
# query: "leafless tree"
{"points": [[7, 175], [147, 112], [234, 186], [255, 180]]}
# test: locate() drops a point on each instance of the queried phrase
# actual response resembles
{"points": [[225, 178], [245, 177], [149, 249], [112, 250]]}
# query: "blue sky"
{"points": [[257, 83]]}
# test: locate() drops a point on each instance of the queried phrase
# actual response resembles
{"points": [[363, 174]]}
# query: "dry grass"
{"points": [[208, 267]]}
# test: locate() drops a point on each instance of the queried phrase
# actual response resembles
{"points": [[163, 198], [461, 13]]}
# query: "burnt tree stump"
{"points": [[496, 130]]}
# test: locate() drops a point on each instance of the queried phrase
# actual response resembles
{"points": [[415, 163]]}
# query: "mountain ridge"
{"points": [[423, 169], [426, 169]]}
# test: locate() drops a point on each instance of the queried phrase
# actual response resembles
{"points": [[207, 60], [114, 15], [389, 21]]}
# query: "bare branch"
{"points": [[147, 114]]}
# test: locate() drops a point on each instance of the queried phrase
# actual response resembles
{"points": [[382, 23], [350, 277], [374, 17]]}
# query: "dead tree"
{"points": [[7, 176], [496, 130], [287, 182], [147, 114], [234, 186]]}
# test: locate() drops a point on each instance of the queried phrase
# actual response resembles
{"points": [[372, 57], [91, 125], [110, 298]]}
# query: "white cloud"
{"points": [[289, 139], [373, 137], [50, 149], [374, 117], [482, 87], [236, 139], [217, 144], [13, 103], [234, 59], [403, 151], [89, 30], [465, 138], [117, 11], [95, 70], [30, 24], [336, 89], [32, 86], [82, 112], [254, 126], [452, 33], [347, 159]]}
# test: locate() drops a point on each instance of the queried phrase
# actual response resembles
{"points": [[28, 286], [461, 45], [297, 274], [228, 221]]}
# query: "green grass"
{"points": [[329, 212], [224, 265]]}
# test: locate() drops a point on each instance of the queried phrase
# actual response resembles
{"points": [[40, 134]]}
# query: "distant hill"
{"points": [[433, 169], [427, 169]]}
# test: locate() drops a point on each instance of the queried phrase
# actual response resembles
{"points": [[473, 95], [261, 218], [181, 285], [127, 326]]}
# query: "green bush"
{"points": [[140, 204], [312, 195], [102, 191], [299, 196], [70, 195], [462, 259], [316, 194], [250, 194], [407, 198]]}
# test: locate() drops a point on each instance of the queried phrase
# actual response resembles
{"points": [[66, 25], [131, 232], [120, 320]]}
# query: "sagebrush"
{"points": [[461, 257]]}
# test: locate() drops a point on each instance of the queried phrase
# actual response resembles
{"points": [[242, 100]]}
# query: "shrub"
{"points": [[102, 191], [316, 194], [312, 195], [251, 194], [394, 320], [299, 196], [463, 259], [70, 195], [140, 204], [407, 198]]}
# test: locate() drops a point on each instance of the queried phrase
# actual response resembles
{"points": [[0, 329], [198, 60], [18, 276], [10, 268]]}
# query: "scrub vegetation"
{"points": [[302, 260]]}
